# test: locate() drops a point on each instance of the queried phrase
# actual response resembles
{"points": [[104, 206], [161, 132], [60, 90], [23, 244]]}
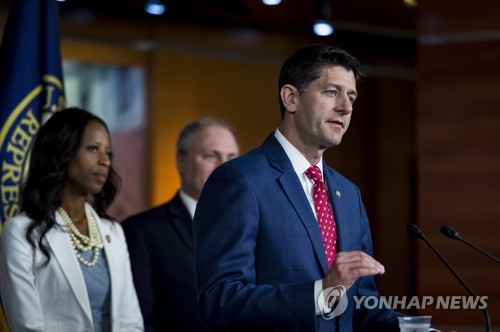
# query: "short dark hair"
{"points": [[56, 144], [305, 65]]}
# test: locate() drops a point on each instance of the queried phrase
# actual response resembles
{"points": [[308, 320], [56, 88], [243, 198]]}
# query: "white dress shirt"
{"points": [[189, 203], [300, 165]]}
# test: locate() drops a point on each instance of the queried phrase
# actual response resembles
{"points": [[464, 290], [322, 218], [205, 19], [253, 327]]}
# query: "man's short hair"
{"points": [[186, 137]]}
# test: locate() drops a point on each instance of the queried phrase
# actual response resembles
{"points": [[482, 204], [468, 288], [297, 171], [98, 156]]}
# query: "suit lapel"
{"points": [[60, 245], [114, 260], [181, 221], [339, 212], [294, 191]]}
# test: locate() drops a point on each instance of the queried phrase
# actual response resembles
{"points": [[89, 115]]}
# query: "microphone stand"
{"points": [[415, 231], [451, 233]]}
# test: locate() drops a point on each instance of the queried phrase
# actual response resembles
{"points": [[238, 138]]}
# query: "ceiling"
{"points": [[390, 17], [291, 16]]}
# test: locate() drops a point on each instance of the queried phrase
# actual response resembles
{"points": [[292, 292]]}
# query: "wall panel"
{"points": [[458, 151]]}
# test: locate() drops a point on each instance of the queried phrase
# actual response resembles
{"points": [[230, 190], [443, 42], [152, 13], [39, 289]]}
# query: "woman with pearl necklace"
{"points": [[64, 263]]}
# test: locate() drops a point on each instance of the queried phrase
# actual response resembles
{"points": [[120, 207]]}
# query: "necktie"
{"points": [[324, 213]]}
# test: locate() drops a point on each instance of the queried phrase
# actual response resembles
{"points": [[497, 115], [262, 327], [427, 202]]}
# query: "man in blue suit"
{"points": [[160, 240], [260, 260]]}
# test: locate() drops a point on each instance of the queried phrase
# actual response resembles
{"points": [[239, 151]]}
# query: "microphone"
{"points": [[415, 231], [451, 233]]}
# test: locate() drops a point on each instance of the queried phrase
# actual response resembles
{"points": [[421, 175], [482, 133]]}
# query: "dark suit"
{"points": [[258, 248], [160, 242]]}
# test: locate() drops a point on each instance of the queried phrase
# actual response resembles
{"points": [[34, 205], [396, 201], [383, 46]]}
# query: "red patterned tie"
{"points": [[324, 213]]}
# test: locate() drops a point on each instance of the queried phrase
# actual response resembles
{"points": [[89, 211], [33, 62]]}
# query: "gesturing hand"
{"points": [[349, 266]]}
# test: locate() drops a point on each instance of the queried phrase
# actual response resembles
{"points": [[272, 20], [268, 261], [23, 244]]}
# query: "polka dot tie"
{"points": [[324, 213]]}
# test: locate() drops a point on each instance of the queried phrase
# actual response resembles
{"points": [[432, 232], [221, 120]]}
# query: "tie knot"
{"points": [[314, 173]]}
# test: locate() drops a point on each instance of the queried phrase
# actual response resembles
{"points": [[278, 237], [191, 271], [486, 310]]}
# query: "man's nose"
{"points": [[344, 104]]}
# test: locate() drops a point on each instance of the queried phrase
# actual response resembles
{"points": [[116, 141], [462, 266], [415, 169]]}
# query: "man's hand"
{"points": [[349, 266]]}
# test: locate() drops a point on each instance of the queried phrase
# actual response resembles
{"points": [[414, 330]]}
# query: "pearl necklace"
{"points": [[80, 242]]}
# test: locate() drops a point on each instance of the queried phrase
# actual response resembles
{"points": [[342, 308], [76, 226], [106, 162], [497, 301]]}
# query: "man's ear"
{"points": [[180, 161], [289, 96]]}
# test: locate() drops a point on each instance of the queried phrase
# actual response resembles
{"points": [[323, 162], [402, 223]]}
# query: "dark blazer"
{"points": [[160, 242], [258, 248]]}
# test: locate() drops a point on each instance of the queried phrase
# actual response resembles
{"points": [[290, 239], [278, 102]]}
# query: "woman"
{"points": [[64, 264]]}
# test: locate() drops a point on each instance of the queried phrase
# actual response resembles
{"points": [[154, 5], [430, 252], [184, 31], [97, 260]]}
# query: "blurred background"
{"points": [[423, 145]]}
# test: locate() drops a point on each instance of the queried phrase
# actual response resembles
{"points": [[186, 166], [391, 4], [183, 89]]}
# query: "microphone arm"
{"points": [[451, 233], [415, 231]]}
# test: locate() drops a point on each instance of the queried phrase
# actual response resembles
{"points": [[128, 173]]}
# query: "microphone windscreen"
{"points": [[450, 232], [414, 230]]}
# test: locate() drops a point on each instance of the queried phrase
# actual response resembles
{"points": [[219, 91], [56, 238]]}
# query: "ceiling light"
{"points": [[155, 7], [411, 3], [322, 28], [271, 2]]}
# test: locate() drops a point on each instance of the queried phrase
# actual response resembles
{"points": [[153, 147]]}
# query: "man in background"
{"points": [[160, 240]]}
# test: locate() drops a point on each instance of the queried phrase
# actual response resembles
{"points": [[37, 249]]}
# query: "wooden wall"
{"points": [[208, 73], [458, 154]]}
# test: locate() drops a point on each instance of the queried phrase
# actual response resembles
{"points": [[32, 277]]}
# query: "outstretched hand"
{"points": [[349, 266]]}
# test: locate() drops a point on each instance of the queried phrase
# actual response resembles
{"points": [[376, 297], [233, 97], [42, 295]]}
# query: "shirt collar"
{"points": [[299, 162], [189, 202]]}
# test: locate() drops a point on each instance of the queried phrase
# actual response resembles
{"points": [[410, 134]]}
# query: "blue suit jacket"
{"points": [[258, 248]]}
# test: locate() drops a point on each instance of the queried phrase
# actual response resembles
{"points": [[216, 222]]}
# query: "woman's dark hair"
{"points": [[305, 65], [56, 144]]}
